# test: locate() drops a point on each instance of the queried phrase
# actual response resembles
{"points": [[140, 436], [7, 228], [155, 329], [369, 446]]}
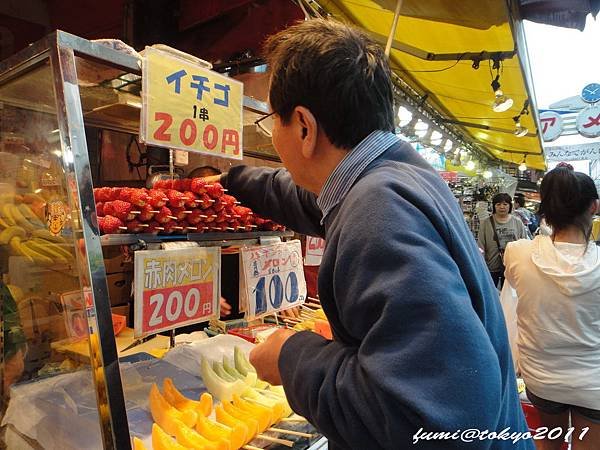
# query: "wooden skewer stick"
{"points": [[291, 432], [135, 212], [172, 217], [122, 228], [192, 228], [316, 300], [285, 442], [251, 447]]}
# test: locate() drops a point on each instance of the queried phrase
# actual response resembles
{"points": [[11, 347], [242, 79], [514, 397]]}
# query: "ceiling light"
{"points": [[470, 165], [501, 102], [436, 138], [487, 174], [520, 130], [523, 165], [448, 145], [405, 116], [421, 128]]}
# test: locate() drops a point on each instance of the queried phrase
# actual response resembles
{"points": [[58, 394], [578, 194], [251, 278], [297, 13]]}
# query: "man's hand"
{"points": [[265, 357], [224, 307], [212, 179]]}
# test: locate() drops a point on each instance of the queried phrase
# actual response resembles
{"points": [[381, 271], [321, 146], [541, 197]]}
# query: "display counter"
{"points": [[68, 382]]}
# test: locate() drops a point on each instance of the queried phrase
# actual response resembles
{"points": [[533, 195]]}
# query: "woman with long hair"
{"points": [[557, 279]]}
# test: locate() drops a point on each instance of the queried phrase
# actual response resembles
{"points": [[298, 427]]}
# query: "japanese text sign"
{"points": [[188, 107], [314, 251], [273, 278], [174, 288], [552, 125]]}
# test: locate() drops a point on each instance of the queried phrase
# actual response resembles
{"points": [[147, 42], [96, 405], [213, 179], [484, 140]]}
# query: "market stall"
{"points": [[71, 382]]}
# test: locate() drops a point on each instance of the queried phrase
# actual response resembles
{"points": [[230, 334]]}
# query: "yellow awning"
{"points": [[458, 92]]}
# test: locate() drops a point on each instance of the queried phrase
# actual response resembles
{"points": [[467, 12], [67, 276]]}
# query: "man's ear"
{"points": [[306, 124], [594, 207]]}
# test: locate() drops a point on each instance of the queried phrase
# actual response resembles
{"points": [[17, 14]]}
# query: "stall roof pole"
{"points": [[388, 45]]}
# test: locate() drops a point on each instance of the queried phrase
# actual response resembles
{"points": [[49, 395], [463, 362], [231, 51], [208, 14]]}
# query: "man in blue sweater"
{"points": [[420, 344]]}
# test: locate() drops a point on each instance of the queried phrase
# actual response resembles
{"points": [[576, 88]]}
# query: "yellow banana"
{"points": [[3, 224], [17, 248], [19, 218], [46, 250], [7, 234], [5, 214], [7, 198], [45, 234], [30, 215], [58, 248], [38, 258]]}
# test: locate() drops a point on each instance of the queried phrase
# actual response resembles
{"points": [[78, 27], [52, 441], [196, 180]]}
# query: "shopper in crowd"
{"points": [[420, 342], [527, 217], [495, 232], [557, 279]]}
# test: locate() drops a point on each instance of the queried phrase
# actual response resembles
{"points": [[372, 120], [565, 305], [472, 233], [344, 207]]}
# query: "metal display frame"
{"points": [[61, 49]]}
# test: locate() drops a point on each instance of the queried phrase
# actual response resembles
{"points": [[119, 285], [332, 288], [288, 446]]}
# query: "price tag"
{"points": [[273, 278], [314, 251], [174, 288], [189, 107]]}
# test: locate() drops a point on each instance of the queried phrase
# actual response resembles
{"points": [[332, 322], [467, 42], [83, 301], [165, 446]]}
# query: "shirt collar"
{"points": [[342, 178]]}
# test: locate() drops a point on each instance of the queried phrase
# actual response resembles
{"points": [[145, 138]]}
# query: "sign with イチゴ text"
{"points": [[189, 107], [273, 278], [174, 288], [314, 251]]}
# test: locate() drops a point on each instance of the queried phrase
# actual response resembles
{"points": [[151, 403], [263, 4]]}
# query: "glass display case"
{"points": [[54, 273]]}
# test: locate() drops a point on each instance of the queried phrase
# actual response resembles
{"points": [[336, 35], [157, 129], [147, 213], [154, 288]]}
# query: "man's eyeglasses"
{"points": [[265, 123]]}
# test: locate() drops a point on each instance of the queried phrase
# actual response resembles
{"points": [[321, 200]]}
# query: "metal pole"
{"points": [[103, 352], [388, 45]]}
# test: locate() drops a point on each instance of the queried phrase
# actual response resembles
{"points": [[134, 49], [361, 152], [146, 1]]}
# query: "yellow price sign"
{"points": [[189, 107]]}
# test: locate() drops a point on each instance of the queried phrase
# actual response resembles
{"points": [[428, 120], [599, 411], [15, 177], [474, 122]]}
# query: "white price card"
{"points": [[273, 278], [174, 288], [314, 251]]}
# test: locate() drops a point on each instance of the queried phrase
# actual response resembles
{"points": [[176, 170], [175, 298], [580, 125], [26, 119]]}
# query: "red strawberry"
{"points": [[176, 199], [172, 227], [190, 199], [100, 209], [195, 217], [138, 197], [198, 186], [119, 209], [154, 227], [205, 201], [180, 213], [215, 190], [157, 198], [135, 226], [210, 215], [146, 213], [164, 215], [111, 225]]}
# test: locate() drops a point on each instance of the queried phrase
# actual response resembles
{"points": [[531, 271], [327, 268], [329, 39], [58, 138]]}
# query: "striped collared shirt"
{"points": [[342, 178]]}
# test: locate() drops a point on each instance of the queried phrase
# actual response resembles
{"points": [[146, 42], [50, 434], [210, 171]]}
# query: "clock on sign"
{"points": [[591, 93]]}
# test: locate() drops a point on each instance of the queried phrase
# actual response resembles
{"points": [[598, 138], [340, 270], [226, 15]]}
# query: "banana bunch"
{"points": [[26, 235]]}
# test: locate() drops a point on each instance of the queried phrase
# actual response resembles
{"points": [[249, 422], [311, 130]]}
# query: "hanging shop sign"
{"points": [[588, 122], [552, 125], [314, 251], [273, 278], [449, 176], [174, 288], [189, 107], [573, 152]]}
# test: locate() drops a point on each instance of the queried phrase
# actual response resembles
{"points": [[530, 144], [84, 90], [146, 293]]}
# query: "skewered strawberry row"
{"points": [[175, 206]]}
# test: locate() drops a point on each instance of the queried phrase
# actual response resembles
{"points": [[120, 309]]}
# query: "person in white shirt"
{"points": [[557, 279]]}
